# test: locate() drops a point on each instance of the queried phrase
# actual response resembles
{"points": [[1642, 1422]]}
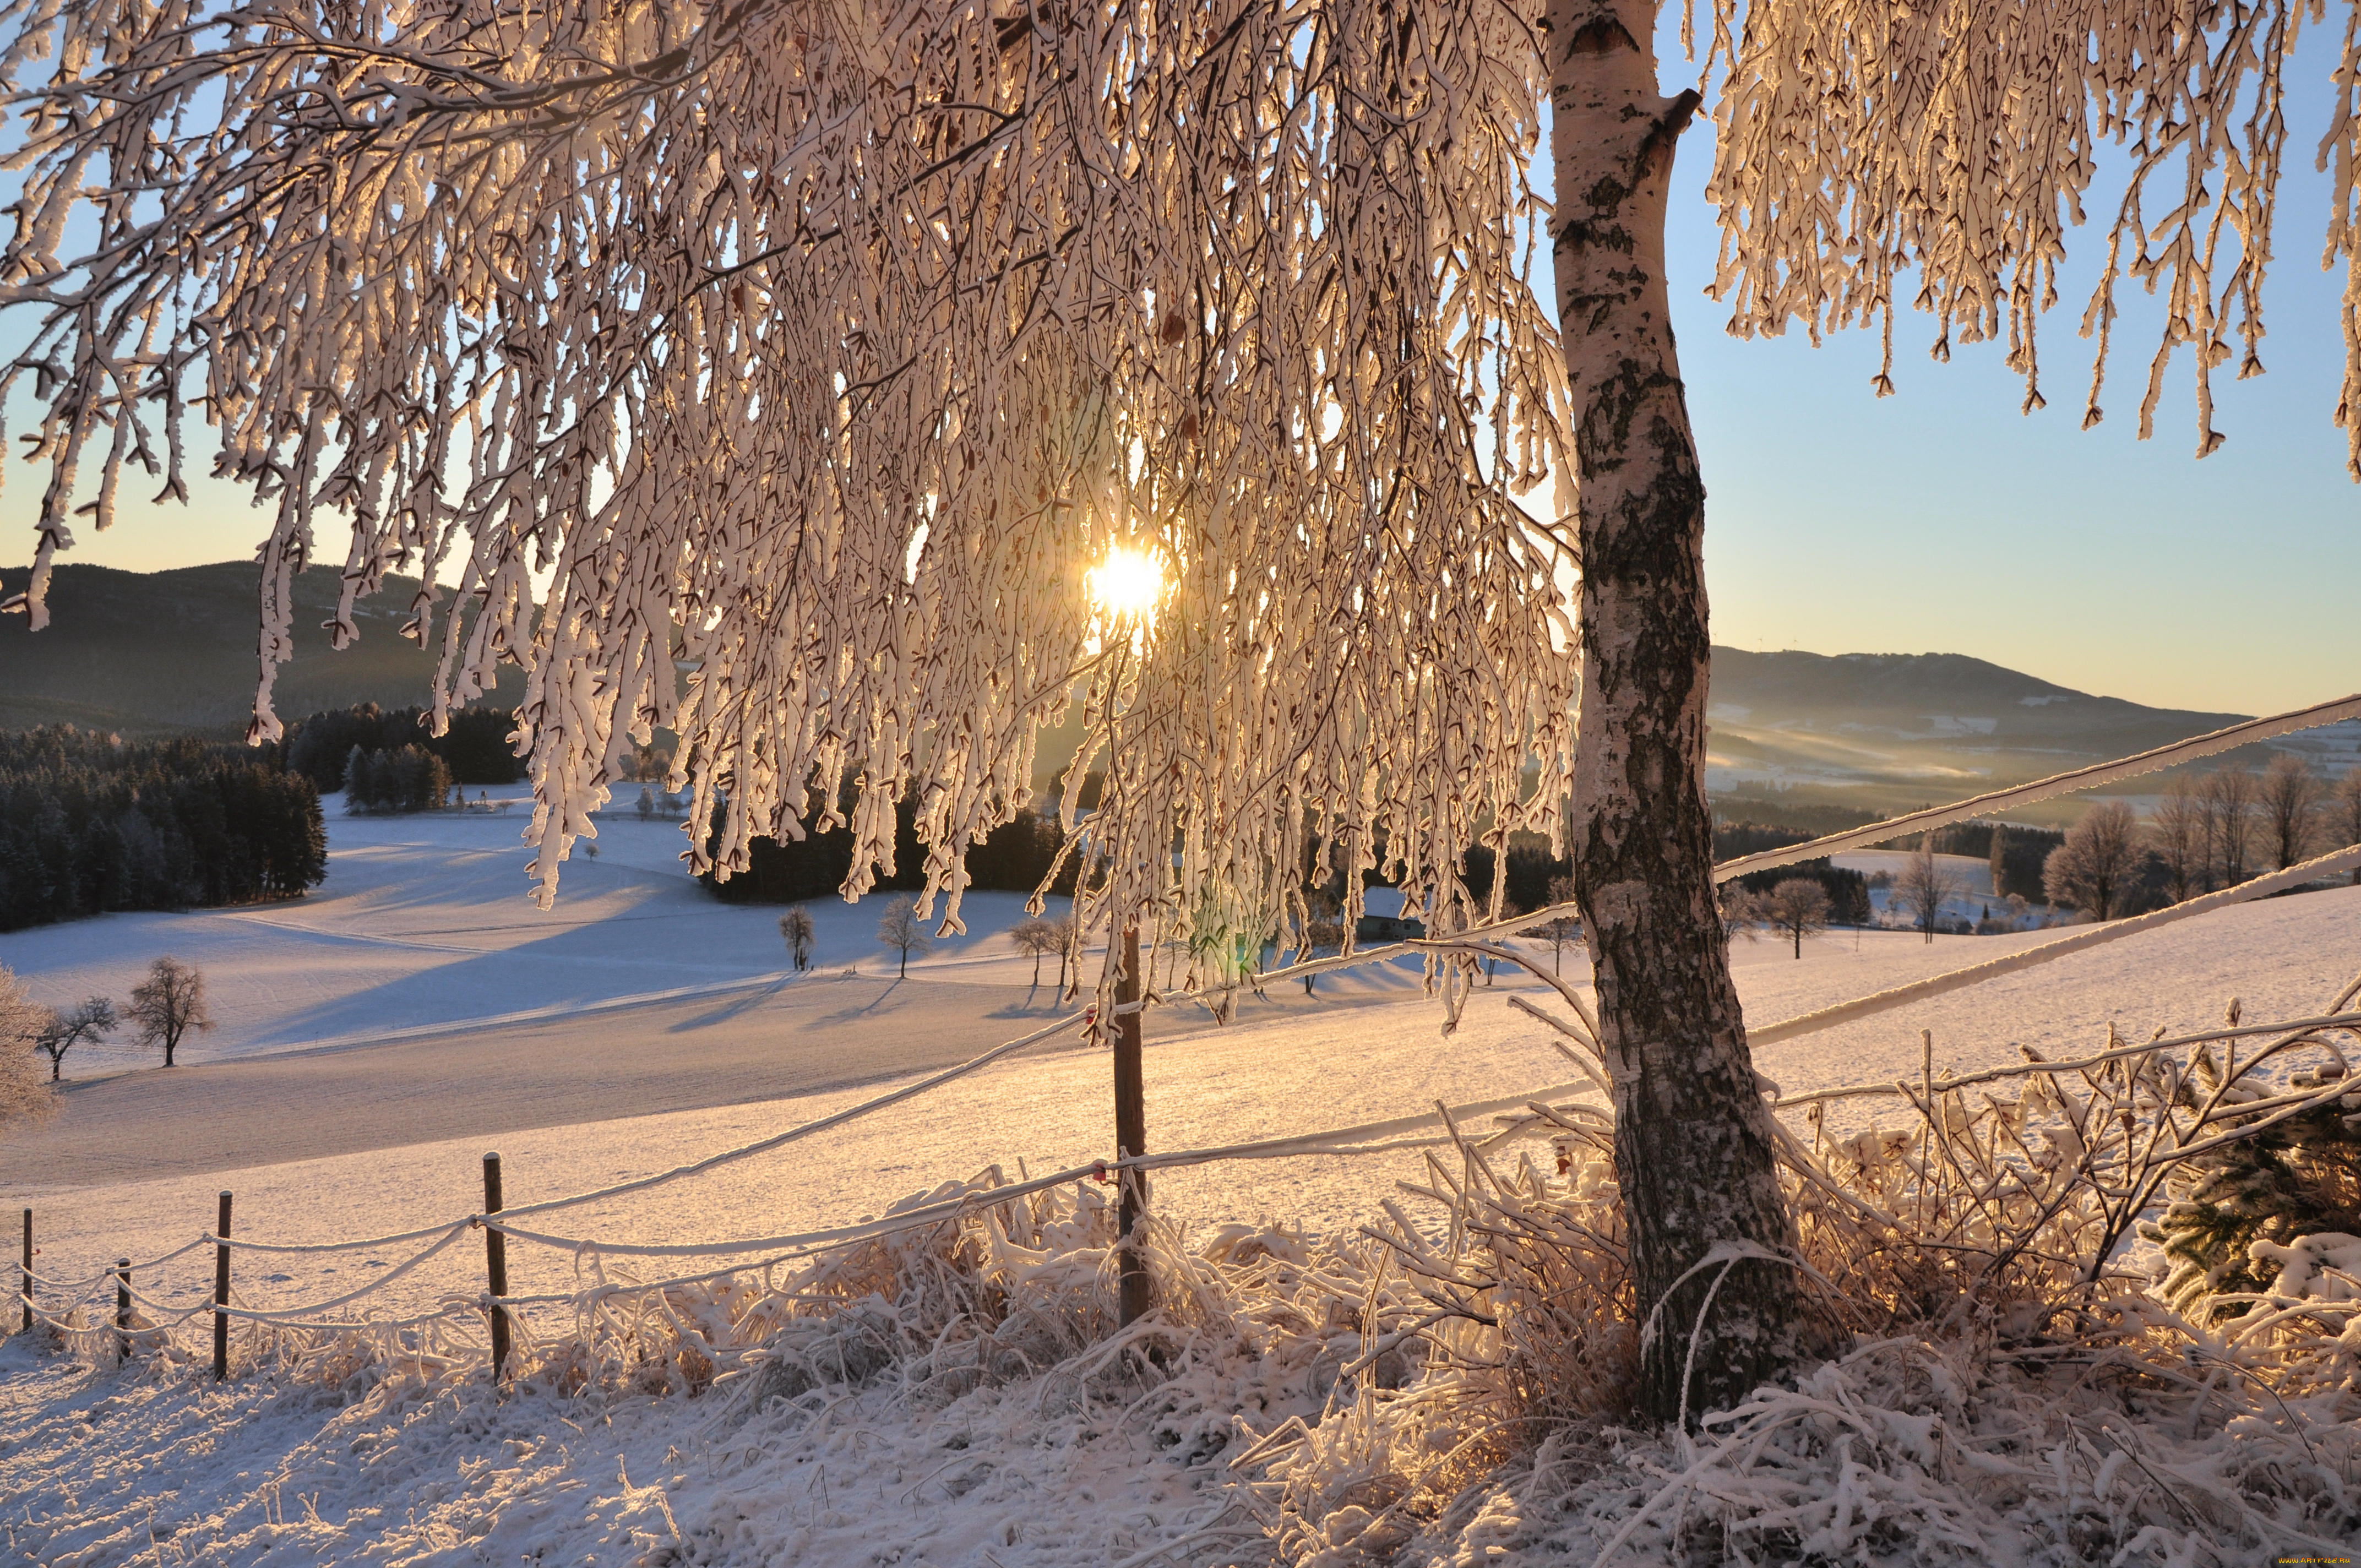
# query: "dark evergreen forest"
{"points": [[91, 823], [475, 747], [1014, 858]]}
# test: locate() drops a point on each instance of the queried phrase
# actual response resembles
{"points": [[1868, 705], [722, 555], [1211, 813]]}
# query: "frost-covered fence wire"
{"points": [[2068, 782], [2092, 777], [2293, 1026], [1373, 1138], [955, 1203], [2049, 952]]}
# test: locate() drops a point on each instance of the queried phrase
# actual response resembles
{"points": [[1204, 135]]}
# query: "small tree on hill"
{"points": [[2097, 865], [2344, 811], [2229, 797], [1925, 883], [1798, 906], [2176, 836], [905, 933], [1040, 937], [1319, 937], [169, 1003], [1563, 927], [61, 1032], [2289, 801], [795, 930], [1064, 926], [1742, 912]]}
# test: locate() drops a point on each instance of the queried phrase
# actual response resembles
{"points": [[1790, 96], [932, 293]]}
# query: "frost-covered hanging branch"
{"points": [[1859, 139], [821, 350]]}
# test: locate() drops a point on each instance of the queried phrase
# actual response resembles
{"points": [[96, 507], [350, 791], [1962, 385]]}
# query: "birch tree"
{"points": [[826, 349]]}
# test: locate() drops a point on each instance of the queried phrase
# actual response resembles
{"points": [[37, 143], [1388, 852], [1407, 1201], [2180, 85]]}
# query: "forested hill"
{"points": [[160, 653]]}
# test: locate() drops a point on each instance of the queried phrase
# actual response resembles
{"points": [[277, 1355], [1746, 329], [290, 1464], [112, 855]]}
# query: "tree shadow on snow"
{"points": [[733, 1008]]}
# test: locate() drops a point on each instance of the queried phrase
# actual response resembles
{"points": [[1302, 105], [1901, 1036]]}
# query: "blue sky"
{"points": [[1941, 520], [1937, 520]]}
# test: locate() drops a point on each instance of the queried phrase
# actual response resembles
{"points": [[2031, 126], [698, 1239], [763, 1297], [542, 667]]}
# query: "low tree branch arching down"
{"points": [[25, 1096], [825, 349]]}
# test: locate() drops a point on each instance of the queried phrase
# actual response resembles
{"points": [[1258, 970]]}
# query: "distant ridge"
{"points": [[149, 653], [1883, 731], [155, 652]]}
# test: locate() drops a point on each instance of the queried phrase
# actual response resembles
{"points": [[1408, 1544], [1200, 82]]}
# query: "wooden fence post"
{"points": [[122, 1307], [496, 1267], [221, 1293], [1130, 1134], [29, 1271]]}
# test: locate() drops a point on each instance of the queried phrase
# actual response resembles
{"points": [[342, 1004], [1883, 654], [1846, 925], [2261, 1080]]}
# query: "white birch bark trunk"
{"points": [[1693, 1146]]}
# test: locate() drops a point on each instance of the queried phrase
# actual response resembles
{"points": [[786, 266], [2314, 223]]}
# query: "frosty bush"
{"points": [[25, 1095]]}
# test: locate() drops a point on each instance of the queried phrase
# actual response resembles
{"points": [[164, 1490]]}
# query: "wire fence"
{"points": [[65, 1303]]}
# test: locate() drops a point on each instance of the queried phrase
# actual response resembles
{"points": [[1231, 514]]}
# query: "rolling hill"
{"points": [[157, 652], [1864, 733]]}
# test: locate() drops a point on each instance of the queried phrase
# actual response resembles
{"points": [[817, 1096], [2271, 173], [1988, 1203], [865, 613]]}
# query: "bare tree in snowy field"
{"points": [[1799, 907], [2095, 868], [795, 930], [1068, 948], [62, 1031], [2288, 798], [24, 1098], [1040, 937], [1560, 928], [904, 931], [1319, 937], [1925, 884], [2229, 795], [822, 350], [169, 1003], [2177, 836], [2344, 811], [1742, 912]]}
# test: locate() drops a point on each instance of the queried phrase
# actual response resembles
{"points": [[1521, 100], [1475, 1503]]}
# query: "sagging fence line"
{"points": [[1532, 1109], [1367, 1138]]}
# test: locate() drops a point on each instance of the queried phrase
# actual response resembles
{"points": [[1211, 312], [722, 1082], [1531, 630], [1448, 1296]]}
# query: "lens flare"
{"points": [[1128, 585]]}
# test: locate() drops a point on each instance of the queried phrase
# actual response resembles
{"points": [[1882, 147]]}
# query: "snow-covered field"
{"points": [[638, 989]]}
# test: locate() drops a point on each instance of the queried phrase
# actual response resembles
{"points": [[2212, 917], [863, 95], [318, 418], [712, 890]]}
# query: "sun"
{"points": [[1129, 583]]}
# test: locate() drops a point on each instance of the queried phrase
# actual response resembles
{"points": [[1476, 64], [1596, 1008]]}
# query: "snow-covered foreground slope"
{"points": [[153, 1464]]}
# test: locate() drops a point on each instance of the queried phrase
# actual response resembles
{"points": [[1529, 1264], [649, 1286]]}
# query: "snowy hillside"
{"points": [[641, 988]]}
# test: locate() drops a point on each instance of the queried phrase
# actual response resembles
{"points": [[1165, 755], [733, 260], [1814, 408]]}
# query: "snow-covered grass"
{"points": [[150, 1463]]}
